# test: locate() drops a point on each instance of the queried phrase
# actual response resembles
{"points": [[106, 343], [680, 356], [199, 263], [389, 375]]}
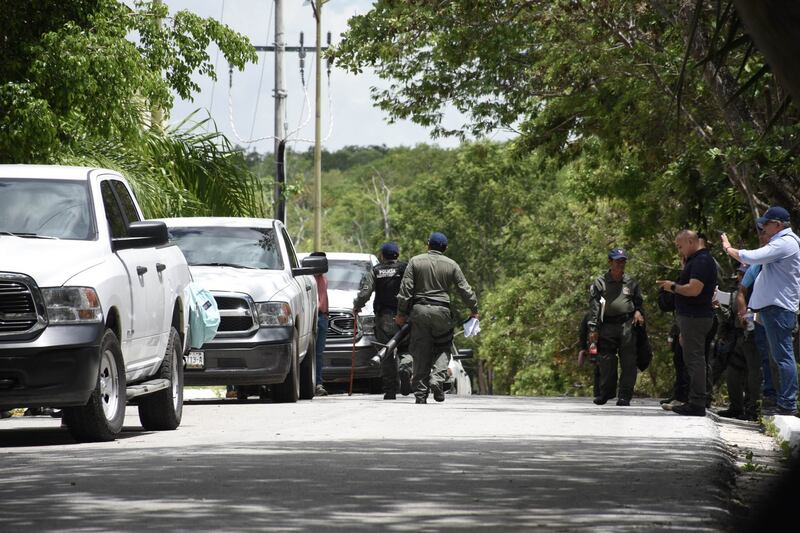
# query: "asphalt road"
{"points": [[361, 463]]}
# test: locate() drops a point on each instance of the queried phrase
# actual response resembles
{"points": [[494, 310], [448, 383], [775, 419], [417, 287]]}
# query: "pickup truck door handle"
{"points": [[160, 267], [141, 270]]}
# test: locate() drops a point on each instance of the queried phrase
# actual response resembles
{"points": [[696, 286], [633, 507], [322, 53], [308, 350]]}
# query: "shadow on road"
{"points": [[561, 484], [42, 437]]}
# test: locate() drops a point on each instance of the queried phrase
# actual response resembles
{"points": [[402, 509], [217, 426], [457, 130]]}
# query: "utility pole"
{"points": [[279, 93], [318, 133], [280, 111]]}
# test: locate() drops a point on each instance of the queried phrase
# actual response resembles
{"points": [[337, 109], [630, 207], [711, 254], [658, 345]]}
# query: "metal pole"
{"points": [[280, 102], [317, 136]]}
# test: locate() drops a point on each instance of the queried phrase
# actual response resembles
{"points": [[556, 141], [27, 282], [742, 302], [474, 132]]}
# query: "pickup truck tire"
{"points": [[102, 417], [162, 410], [308, 371], [289, 390]]}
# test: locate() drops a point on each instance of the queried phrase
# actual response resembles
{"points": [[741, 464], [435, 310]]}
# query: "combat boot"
{"points": [[421, 400]]}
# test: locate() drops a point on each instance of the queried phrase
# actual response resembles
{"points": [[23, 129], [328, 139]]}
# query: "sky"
{"points": [[245, 113]]}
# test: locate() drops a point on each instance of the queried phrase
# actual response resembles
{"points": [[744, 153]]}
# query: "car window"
{"points": [[346, 275], [128, 207], [232, 246], [293, 263], [46, 208], [116, 221]]}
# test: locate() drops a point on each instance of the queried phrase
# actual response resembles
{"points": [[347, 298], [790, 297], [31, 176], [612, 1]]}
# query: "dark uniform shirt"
{"points": [[428, 278], [700, 266], [384, 279], [622, 298]]}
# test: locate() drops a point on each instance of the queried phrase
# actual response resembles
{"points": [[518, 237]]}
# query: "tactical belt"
{"points": [[617, 319], [434, 303]]}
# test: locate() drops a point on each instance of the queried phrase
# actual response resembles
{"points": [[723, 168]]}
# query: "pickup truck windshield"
{"points": [[346, 275], [227, 246], [46, 209]]}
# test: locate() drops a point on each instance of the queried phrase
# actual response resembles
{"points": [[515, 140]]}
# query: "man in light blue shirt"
{"points": [[776, 296]]}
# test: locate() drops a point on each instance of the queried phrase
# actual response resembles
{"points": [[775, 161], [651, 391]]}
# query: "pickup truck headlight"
{"points": [[271, 314], [366, 325], [72, 305]]}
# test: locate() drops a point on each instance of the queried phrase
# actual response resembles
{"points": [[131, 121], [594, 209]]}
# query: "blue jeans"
{"points": [[760, 336], [322, 333], [779, 325]]}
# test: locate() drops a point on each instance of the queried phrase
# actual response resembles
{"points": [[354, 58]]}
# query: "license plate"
{"points": [[195, 360]]}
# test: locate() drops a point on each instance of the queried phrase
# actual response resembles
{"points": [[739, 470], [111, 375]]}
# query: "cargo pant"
{"points": [[744, 375], [617, 347], [431, 341], [397, 361]]}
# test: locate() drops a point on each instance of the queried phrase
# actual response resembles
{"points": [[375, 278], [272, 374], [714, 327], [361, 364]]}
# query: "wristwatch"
{"points": [[672, 287]]}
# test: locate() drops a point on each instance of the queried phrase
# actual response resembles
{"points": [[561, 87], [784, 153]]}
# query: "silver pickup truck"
{"points": [[267, 304]]}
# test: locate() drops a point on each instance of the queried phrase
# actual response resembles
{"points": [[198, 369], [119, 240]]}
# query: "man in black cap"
{"points": [[384, 280], [426, 285], [615, 306]]}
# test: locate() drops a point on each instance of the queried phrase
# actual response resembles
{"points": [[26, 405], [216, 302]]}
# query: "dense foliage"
{"points": [[630, 129]]}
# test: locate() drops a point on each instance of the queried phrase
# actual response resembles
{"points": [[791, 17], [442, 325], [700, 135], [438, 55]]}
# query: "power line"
{"points": [[263, 64], [216, 60]]}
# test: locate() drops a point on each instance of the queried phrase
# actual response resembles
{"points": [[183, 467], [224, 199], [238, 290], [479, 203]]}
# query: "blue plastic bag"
{"points": [[203, 315]]}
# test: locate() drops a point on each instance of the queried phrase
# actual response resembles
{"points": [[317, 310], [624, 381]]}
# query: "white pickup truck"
{"points": [[267, 304], [92, 306]]}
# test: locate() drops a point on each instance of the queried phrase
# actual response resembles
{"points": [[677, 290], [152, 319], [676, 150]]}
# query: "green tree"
{"points": [[75, 88]]}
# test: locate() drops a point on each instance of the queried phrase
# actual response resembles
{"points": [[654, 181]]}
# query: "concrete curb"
{"points": [[788, 430]]}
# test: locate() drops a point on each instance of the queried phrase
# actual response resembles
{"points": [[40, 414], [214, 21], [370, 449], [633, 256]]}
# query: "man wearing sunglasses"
{"points": [[776, 296]]}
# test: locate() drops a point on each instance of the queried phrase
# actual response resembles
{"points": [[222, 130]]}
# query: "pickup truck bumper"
{"points": [[56, 369], [263, 358], [337, 359]]}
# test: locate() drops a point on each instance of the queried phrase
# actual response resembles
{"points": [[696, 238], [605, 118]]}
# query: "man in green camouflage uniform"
{"points": [[424, 293], [384, 280], [611, 328]]}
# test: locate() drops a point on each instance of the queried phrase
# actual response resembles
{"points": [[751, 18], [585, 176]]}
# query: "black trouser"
{"points": [[617, 342], [744, 375], [385, 329], [694, 332], [680, 390]]}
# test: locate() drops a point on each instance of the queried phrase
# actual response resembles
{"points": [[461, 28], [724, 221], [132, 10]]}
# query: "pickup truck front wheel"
{"points": [[102, 417], [163, 410], [289, 390]]}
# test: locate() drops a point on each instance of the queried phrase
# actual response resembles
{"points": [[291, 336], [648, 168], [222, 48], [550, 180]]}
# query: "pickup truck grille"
{"points": [[236, 313], [18, 310], [340, 324]]}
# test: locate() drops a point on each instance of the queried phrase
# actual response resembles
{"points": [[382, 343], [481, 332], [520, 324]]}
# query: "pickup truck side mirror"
{"points": [[463, 353], [313, 264], [143, 234]]}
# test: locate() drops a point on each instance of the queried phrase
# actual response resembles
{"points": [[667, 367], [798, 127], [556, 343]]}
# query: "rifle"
{"points": [[390, 346]]}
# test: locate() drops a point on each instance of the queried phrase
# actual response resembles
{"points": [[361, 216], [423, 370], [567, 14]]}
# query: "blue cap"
{"points": [[617, 253], [390, 250], [774, 213], [437, 240]]}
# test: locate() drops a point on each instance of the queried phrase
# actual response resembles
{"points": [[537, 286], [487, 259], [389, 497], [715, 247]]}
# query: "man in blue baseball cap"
{"points": [[384, 280], [615, 306], [776, 296], [424, 295]]}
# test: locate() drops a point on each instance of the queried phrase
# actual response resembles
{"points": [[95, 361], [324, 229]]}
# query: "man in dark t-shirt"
{"points": [[694, 291]]}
